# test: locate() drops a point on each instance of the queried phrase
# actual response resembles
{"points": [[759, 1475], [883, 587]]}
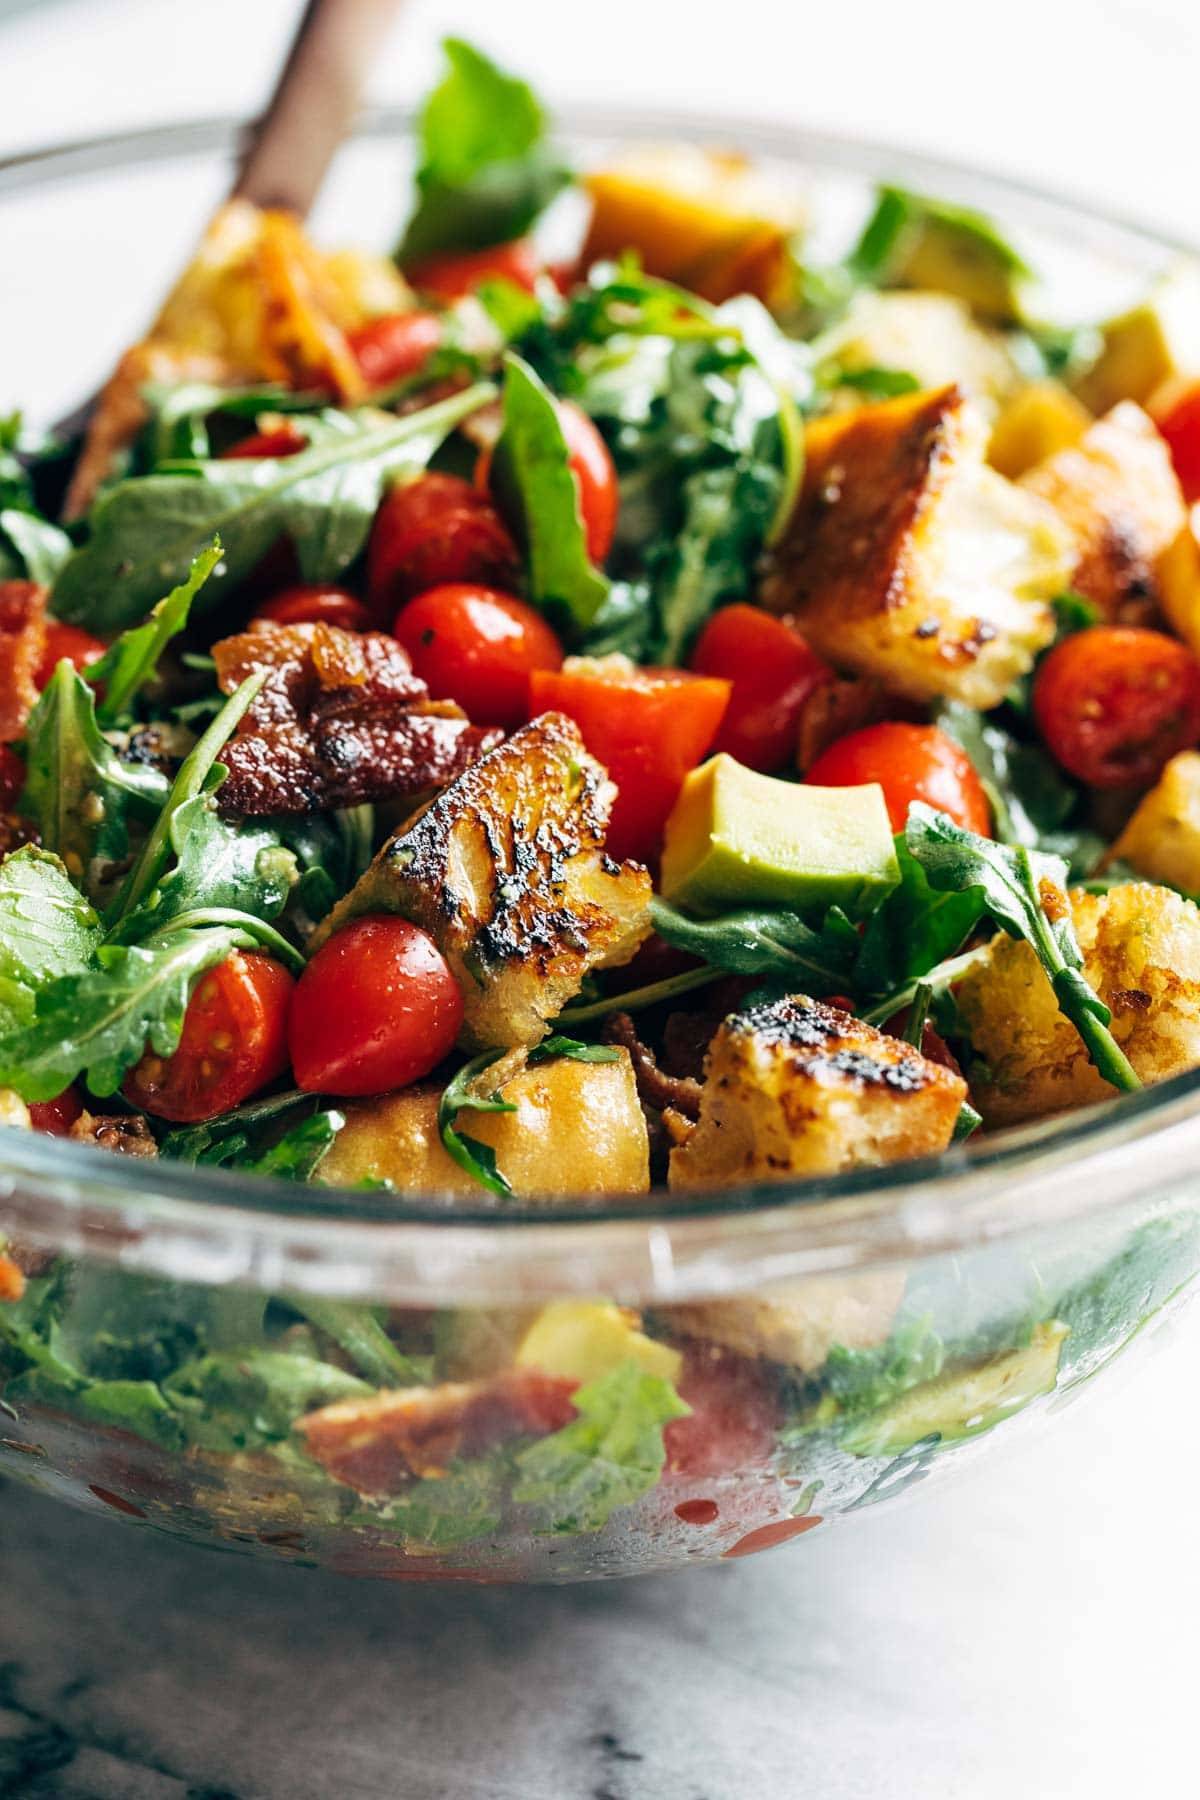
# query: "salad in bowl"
{"points": [[604, 714]]}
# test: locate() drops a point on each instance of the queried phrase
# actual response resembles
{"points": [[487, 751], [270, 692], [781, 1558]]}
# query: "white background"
{"points": [[1034, 1630]]}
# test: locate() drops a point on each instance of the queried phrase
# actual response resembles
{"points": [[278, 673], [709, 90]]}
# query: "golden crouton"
{"points": [[799, 1088], [908, 559], [1141, 951], [507, 873], [799, 1322], [1162, 839], [703, 218], [13, 1110], [578, 1127], [1040, 419], [1119, 495], [932, 337]]}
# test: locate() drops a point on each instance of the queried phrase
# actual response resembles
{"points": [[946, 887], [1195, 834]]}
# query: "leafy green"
{"points": [[244, 1399], [1010, 881], [878, 384], [146, 531], [818, 961], [478, 1159], [914, 931], [47, 929], [230, 1136], [572, 1048], [357, 1330], [863, 1380], [128, 664], [443, 1511], [219, 863], [486, 170], [1103, 1311], [532, 478], [298, 1154], [39, 547], [609, 1456], [180, 415]]}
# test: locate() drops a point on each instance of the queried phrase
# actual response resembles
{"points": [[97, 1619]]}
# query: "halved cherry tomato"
{"points": [[56, 1116], [595, 477], [12, 777], [773, 672], [1115, 703], [376, 1008], [452, 276], [282, 440], [434, 530], [1175, 409], [316, 605], [910, 762], [234, 1042], [648, 727], [479, 647], [69, 643], [395, 345]]}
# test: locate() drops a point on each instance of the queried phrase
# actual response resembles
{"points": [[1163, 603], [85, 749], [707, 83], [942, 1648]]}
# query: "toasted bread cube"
{"points": [[1117, 492], [578, 1127], [1039, 420], [1162, 838], [908, 559], [1141, 951], [799, 1088], [932, 337], [799, 1322], [704, 218], [507, 873]]}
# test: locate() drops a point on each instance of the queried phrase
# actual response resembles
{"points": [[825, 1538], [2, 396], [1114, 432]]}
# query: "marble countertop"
{"points": [[1030, 1628]]}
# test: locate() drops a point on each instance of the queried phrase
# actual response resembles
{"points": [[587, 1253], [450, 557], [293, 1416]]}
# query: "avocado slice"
{"points": [[964, 1402], [737, 838], [1142, 348], [933, 244], [584, 1339]]}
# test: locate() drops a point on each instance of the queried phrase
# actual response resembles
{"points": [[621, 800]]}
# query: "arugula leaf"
{"points": [[914, 930], [876, 383], [486, 171], [1011, 882], [226, 1137], [146, 531], [777, 944], [861, 1381], [298, 1154], [358, 1331], [478, 1159], [40, 547], [532, 479], [47, 929], [128, 664], [608, 1457], [572, 1048], [220, 864], [87, 804], [1106, 1309], [98, 1021], [179, 414], [444, 1511]]}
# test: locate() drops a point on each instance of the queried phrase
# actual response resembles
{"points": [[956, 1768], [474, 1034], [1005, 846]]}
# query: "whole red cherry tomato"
{"points": [[234, 1042], [67, 643], [12, 777], [773, 672], [479, 647], [281, 440], [1175, 409], [595, 477], [315, 605], [395, 345], [57, 1116], [910, 762], [451, 276], [434, 530], [376, 1008], [648, 727], [1115, 703]]}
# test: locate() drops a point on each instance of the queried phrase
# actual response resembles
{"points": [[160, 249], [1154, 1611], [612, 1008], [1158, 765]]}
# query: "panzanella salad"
{"points": [[597, 700]]}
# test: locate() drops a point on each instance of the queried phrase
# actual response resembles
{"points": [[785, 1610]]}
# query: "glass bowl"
{"points": [[491, 1395]]}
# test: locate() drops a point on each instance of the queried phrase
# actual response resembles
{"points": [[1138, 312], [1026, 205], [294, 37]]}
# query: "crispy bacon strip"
{"points": [[378, 1446], [22, 645], [128, 1134], [340, 719]]}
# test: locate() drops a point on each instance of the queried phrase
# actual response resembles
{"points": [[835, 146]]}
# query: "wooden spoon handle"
{"points": [[314, 103]]}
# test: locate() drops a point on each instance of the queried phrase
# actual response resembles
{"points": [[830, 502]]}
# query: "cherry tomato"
{"points": [[735, 1412], [316, 605], [452, 276], [773, 672], [375, 1009], [12, 777], [395, 345], [595, 478], [648, 727], [479, 647], [56, 1116], [1115, 703], [434, 530], [1175, 409], [234, 1042], [910, 762], [66, 643], [282, 440]]}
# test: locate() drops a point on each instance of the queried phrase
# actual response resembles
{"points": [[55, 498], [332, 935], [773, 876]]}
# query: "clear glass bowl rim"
{"points": [[211, 1225]]}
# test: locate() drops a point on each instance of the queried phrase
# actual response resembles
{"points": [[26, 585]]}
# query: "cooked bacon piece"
{"points": [[22, 644], [378, 1446], [340, 719], [12, 1282], [679, 1093], [126, 1133]]}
